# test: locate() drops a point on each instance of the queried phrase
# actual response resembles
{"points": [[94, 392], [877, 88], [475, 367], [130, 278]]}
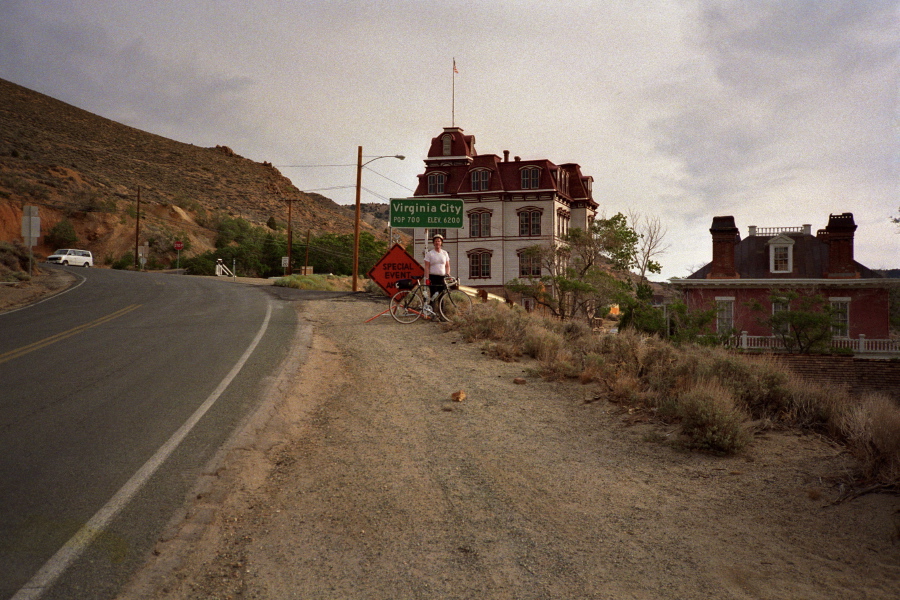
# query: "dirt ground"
{"points": [[365, 479], [43, 284]]}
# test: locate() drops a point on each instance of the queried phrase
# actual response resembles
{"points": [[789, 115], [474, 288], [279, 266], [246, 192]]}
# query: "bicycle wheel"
{"points": [[406, 306], [455, 304]]}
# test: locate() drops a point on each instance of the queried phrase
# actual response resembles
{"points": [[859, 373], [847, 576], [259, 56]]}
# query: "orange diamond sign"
{"points": [[395, 265]]}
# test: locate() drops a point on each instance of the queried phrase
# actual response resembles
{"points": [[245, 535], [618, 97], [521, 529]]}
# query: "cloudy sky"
{"points": [[776, 112]]}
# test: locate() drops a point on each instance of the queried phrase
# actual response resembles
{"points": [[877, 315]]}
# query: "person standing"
{"points": [[437, 266]]}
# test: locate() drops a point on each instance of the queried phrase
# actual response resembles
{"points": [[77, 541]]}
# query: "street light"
{"points": [[359, 167]]}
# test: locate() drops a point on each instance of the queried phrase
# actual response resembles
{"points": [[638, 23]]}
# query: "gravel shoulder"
{"points": [[46, 282], [365, 479]]}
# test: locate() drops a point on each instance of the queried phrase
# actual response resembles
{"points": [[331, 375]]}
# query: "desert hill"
{"points": [[77, 165]]}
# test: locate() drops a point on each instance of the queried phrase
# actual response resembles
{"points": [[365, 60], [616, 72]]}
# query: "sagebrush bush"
{"points": [[492, 321], [322, 283], [712, 391], [815, 406], [757, 384], [711, 420], [872, 430]]}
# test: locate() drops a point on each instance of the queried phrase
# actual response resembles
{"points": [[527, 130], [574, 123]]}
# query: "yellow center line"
{"points": [[65, 334]]}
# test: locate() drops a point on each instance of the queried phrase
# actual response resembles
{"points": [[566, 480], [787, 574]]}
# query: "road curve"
{"points": [[94, 382]]}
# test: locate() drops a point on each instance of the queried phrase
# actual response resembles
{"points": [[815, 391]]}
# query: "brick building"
{"points": [[508, 206], [749, 269]]}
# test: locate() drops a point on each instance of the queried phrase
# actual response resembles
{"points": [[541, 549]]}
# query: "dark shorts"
{"points": [[436, 284]]}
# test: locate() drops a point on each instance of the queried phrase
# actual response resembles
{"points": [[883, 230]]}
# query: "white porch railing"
{"points": [[860, 345]]}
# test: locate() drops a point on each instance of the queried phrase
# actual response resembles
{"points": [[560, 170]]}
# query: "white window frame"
{"points": [[777, 307], [776, 245], [841, 329], [724, 322]]}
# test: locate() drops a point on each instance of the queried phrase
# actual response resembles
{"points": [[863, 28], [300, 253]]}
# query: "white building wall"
{"points": [[504, 241]]}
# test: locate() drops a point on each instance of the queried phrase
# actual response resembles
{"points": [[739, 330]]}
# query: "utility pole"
{"points": [[306, 262], [137, 227], [290, 234]]}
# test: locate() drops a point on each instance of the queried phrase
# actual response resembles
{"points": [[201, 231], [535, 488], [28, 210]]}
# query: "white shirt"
{"points": [[437, 261]]}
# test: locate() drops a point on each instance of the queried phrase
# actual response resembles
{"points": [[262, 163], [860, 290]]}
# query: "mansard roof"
{"points": [[810, 258], [457, 158]]}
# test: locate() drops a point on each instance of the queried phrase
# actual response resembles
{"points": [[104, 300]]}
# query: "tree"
{"points": [[803, 321], [651, 234], [577, 275]]}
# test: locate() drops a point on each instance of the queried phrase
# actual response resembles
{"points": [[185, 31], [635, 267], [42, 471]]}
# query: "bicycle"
{"points": [[409, 303]]}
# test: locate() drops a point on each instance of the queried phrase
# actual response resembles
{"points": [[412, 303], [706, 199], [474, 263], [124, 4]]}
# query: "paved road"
{"points": [[93, 384]]}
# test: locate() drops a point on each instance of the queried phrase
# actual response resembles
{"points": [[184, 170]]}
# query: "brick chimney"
{"points": [[839, 237], [725, 236]]}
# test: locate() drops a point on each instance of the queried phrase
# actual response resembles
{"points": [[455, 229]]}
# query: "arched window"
{"points": [[436, 183], [480, 223], [562, 222], [481, 180], [529, 264], [529, 222], [479, 263], [531, 178], [448, 142]]}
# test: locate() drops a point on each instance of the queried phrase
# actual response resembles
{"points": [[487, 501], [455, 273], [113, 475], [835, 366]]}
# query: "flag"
{"points": [[454, 66]]}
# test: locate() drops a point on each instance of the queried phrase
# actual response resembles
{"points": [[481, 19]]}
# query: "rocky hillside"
{"points": [[76, 165]]}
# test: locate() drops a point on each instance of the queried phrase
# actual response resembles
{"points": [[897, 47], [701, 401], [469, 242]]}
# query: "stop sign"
{"points": [[178, 245], [395, 265]]}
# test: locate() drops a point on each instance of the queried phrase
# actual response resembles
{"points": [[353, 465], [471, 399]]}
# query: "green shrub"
{"points": [[61, 235], [755, 383], [126, 262], [711, 420]]}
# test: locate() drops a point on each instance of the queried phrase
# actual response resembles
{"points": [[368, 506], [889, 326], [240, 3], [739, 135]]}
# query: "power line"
{"points": [[389, 179], [309, 166]]}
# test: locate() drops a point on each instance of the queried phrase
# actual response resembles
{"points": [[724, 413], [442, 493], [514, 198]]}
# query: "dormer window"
{"points": [[447, 139], [436, 183], [531, 178], [480, 180], [781, 254]]}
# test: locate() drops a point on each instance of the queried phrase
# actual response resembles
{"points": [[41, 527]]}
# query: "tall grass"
{"points": [[322, 283], [713, 393]]}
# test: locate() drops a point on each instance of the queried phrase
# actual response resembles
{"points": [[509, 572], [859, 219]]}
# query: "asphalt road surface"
{"points": [[114, 396]]}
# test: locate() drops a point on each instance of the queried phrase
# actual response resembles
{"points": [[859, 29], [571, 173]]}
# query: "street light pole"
{"points": [[359, 168]]}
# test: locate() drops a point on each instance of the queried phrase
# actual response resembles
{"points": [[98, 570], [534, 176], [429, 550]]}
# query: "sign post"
{"points": [[31, 231], [178, 246], [440, 213], [143, 253]]}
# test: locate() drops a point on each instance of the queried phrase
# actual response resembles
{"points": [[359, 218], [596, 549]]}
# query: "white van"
{"points": [[76, 258]]}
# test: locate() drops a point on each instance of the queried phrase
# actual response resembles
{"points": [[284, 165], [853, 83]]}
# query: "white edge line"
{"points": [[51, 297], [73, 548]]}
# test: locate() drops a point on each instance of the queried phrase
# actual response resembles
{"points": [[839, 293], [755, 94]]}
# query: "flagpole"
{"points": [[453, 100]]}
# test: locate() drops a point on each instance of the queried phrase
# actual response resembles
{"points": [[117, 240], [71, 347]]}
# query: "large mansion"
{"points": [[509, 205]]}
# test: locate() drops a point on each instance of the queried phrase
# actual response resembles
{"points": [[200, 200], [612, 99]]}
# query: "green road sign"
{"points": [[422, 212]]}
